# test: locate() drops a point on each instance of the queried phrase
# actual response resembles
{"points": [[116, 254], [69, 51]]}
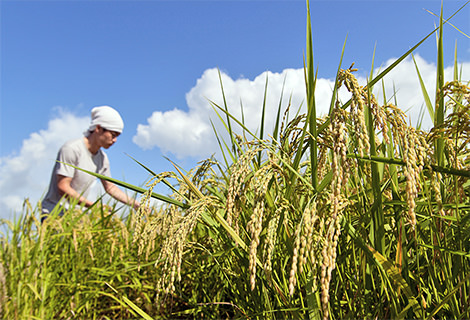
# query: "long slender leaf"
{"points": [[452, 171], [132, 187], [427, 100]]}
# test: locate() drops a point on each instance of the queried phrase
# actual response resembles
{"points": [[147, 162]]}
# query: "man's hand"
{"points": [[65, 188]]}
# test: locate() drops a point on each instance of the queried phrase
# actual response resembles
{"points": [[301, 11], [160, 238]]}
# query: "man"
{"points": [[68, 183]]}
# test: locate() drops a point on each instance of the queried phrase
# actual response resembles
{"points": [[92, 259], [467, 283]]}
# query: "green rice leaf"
{"points": [[131, 187], [394, 273], [427, 100], [449, 296]]}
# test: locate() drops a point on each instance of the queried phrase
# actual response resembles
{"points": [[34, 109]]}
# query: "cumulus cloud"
{"points": [[189, 132], [173, 131], [27, 173]]}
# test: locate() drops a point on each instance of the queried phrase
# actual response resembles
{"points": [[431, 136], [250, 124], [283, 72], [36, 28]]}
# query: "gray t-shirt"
{"points": [[76, 153]]}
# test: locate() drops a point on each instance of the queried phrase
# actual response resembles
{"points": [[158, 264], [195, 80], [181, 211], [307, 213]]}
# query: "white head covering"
{"points": [[107, 118]]}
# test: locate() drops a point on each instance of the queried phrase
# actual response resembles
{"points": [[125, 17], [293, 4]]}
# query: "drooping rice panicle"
{"points": [[254, 227]]}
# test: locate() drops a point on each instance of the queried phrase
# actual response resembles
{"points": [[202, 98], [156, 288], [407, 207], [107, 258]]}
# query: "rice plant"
{"points": [[79, 266]]}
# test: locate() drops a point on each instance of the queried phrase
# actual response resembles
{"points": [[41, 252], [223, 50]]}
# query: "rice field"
{"points": [[356, 215]]}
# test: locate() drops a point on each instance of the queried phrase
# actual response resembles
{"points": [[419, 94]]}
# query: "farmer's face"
{"points": [[108, 137]]}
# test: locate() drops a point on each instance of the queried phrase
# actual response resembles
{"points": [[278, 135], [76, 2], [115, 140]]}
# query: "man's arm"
{"points": [[63, 184], [119, 195]]}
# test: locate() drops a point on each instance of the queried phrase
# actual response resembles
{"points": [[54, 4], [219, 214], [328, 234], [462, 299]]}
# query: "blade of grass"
{"points": [[132, 187], [378, 218], [311, 107], [394, 273], [125, 301], [427, 100], [449, 296], [459, 30], [229, 125], [447, 170], [221, 147], [335, 88], [278, 117], [263, 114], [439, 112]]}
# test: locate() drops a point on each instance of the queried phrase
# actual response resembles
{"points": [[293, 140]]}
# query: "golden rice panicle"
{"points": [[111, 249], [411, 182], [306, 236], [337, 202], [324, 143], [414, 156], [380, 117], [162, 224], [270, 240], [303, 244], [172, 248], [149, 235], [455, 133], [254, 227], [124, 233], [435, 184], [239, 172], [303, 238], [284, 119], [205, 174], [311, 235], [144, 211], [168, 226], [357, 109], [333, 232], [414, 150], [289, 138], [456, 127], [316, 242], [396, 119], [459, 94], [338, 132], [295, 257]]}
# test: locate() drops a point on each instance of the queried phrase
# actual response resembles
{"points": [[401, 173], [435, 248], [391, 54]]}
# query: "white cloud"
{"points": [[403, 80], [173, 131], [27, 173], [189, 132]]}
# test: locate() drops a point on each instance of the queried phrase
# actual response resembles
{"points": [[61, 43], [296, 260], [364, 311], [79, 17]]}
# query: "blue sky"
{"points": [[156, 62]]}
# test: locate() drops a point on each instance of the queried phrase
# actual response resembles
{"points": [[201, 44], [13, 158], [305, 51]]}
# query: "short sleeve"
{"points": [[66, 156], [105, 169]]}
